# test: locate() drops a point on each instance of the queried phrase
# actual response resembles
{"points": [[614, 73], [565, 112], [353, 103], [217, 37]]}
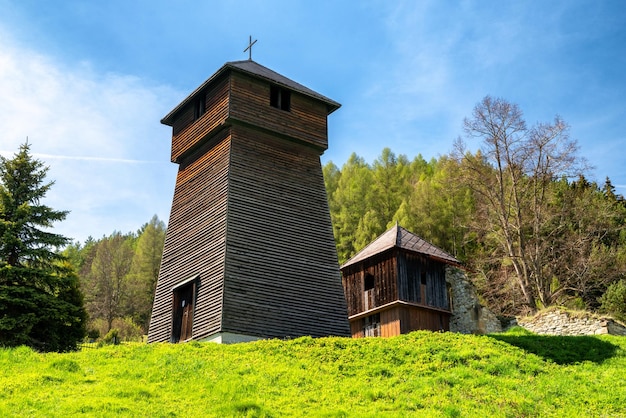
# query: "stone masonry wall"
{"points": [[468, 315], [560, 322]]}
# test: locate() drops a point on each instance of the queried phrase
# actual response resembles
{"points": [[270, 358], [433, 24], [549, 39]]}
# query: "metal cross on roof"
{"points": [[249, 48]]}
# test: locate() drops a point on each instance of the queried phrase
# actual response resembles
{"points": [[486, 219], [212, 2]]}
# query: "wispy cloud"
{"points": [[442, 59], [9, 154], [99, 134]]}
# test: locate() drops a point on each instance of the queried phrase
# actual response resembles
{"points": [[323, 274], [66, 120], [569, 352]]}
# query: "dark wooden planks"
{"points": [[306, 121], [415, 266], [282, 275], [250, 216], [397, 294], [384, 270], [195, 241], [414, 318], [188, 132], [401, 318]]}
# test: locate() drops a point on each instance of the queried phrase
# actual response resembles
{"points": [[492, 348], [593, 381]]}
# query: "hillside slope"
{"points": [[420, 374]]}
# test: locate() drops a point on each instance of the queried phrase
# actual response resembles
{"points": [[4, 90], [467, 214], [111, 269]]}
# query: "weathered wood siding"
{"points": [[411, 268], [250, 103], [397, 278], [383, 269], [357, 328], [402, 319], [195, 242], [414, 318], [282, 275], [389, 324], [250, 216], [390, 321], [187, 132]]}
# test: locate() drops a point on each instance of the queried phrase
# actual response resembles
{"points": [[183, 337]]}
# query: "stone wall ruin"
{"points": [[468, 315], [562, 322]]}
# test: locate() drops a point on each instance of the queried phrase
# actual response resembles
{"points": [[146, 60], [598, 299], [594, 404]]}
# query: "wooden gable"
{"points": [[236, 93]]}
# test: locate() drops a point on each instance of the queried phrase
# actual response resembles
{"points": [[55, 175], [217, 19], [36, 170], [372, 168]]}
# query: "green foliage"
{"points": [[586, 242], [420, 374], [106, 284], [125, 328], [529, 236], [40, 301], [144, 271], [93, 333], [347, 204], [112, 337], [365, 200], [118, 275], [614, 300]]}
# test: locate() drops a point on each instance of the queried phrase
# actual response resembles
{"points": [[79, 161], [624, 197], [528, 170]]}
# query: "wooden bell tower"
{"points": [[249, 251]]}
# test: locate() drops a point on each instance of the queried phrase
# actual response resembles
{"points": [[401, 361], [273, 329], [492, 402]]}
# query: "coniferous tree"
{"points": [[354, 190], [40, 300]]}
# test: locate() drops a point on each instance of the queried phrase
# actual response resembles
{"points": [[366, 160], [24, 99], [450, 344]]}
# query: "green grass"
{"points": [[424, 374]]}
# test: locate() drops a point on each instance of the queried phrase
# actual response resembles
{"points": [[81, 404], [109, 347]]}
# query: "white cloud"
{"points": [[99, 134]]}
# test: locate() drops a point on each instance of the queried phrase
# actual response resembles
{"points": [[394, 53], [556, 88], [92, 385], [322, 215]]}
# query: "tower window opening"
{"points": [[280, 98], [199, 109]]}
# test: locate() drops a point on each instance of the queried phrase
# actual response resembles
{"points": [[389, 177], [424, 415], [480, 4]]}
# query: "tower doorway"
{"points": [[184, 302]]}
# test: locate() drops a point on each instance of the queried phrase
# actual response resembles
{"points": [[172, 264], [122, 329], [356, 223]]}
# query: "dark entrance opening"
{"points": [[184, 303]]}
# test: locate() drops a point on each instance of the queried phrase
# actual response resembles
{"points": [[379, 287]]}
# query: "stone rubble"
{"points": [[470, 317], [560, 322]]}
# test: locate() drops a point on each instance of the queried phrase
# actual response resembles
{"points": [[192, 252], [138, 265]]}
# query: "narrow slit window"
{"points": [[280, 98], [199, 109], [368, 283], [423, 293]]}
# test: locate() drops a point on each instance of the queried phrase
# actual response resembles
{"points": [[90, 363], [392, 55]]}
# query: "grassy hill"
{"points": [[421, 374]]}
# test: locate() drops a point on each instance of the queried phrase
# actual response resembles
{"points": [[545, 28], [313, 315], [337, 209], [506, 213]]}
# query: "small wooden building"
{"points": [[249, 251], [397, 284]]}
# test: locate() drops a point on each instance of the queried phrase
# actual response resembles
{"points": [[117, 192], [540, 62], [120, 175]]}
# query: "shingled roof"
{"points": [[255, 69], [401, 238]]}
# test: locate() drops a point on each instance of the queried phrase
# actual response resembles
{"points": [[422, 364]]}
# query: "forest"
{"points": [[580, 250], [118, 275], [531, 230], [519, 211], [513, 202]]}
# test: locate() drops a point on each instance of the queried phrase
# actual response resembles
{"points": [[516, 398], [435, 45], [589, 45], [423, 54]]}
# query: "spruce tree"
{"points": [[40, 301]]}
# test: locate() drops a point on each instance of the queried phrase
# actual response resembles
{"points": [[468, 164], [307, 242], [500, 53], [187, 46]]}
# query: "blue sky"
{"points": [[88, 82]]}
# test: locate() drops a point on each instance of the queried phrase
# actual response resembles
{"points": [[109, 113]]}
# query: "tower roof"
{"points": [[398, 237], [257, 70]]}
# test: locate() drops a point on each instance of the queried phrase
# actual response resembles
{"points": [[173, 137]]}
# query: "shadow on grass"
{"points": [[561, 349]]}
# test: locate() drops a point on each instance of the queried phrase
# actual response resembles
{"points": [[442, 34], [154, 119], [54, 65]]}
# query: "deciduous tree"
{"points": [[511, 177], [144, 270], [106, 284]]}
